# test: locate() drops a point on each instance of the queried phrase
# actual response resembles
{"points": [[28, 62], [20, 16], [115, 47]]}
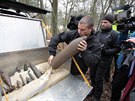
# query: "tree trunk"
{"points": [[54, 17], [42, 16]]}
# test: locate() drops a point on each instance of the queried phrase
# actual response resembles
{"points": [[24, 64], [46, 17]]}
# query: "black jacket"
{"points": [[109, 42], [85, 59]]}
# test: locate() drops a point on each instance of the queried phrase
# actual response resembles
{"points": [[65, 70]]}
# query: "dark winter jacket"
{"points": [[85, 59], [109, 42]]}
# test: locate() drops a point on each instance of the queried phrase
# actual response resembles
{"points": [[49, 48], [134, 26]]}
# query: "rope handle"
{"points": [[81, 72]]}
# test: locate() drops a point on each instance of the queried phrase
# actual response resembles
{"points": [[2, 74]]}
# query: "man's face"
{"points": [[105, 24], [84, 30]]}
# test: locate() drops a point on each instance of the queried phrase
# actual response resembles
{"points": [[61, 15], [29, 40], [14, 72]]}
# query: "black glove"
{"points": [[105, 51]]}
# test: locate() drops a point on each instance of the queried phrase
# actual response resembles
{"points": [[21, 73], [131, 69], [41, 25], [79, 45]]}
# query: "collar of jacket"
{"points": [[91, 35], [106, 30]]}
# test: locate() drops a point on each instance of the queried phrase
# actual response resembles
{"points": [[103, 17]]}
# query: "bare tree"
{"points": [[104, 7], [41, 5], [54, 4], [69, 7], [95, 8]]}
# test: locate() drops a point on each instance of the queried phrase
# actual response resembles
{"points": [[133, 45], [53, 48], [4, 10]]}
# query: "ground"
{"points": [[107, 88]]}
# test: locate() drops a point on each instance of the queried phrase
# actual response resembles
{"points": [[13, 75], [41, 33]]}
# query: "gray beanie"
{"points": [[109, 17]]}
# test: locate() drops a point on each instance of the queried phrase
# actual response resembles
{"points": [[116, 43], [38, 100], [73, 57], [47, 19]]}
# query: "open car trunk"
{"points": [[23, 42]]}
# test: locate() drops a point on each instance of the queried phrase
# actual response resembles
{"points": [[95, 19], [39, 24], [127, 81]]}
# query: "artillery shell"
{"points": [[19, 84], [35, 70], [18, 69], [28, 80], [31, 76], [6, 79], [66, 53], [25, 67], [23, 81]]}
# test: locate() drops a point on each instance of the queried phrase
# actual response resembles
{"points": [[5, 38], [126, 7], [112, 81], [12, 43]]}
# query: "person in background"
{"points": [[108, 39], [124, 73], [111, 42], [73, 23]]}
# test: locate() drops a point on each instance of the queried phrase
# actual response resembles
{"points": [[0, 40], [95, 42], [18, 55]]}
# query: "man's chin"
{"points": [[82, 35], [103, 28]]}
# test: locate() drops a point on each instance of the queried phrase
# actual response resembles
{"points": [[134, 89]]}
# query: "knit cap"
{"points": [[109, 17]]}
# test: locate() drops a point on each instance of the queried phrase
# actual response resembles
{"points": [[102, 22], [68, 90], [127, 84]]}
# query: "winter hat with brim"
{"points": [[108, 17]]}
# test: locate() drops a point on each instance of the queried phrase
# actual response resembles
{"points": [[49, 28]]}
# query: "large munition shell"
{"points": [[19, 84], [22, 79], [31, 76], [66, 53], [4, 90], [18, 69], [25, 67], [6, 79], [35, 70], [28, 80]]}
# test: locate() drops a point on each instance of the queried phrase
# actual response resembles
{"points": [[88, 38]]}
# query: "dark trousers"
{"points": [[97, 77], [118, 84], [121, 78], [107, 73], [80, 62], [115, 64]]}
